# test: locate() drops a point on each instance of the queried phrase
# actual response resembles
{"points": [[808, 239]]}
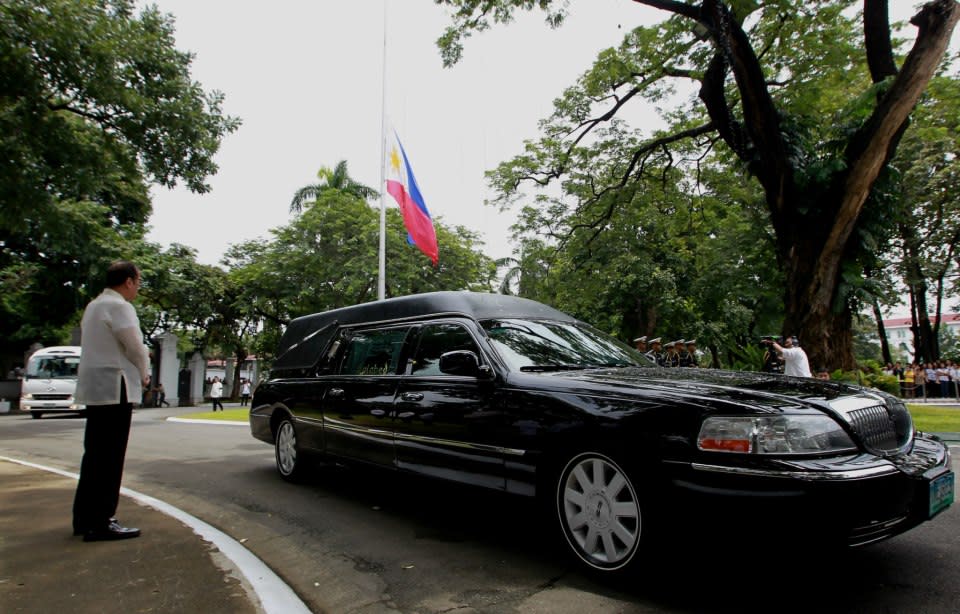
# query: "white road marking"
{"points": [[275, 596]]}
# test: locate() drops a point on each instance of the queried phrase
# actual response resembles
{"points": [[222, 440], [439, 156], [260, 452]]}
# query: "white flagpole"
{"points": [[382, 276]]}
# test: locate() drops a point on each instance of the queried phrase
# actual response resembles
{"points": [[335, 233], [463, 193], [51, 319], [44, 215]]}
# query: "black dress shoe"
{"points": [[77, 530], [110, 532]]}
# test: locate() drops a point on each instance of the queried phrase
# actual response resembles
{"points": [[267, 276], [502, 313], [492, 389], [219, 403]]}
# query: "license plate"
{"points": [[941, 494]]}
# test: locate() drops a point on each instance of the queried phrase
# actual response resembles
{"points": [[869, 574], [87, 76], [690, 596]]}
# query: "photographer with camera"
{"points": [[794, 358]]}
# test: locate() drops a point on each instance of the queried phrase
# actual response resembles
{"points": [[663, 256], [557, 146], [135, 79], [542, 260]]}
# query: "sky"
{"points": [[312, 80], [307, 79]]}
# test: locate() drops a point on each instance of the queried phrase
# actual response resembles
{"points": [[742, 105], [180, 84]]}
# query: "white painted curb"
{"points": [[274, 594]]}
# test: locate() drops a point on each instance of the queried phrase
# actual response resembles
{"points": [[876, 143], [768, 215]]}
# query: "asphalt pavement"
{"points": [[170, 568], [178, 564]]}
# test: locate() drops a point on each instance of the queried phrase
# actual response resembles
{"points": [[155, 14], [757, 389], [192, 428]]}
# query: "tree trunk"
{"points": [[882, 333]]}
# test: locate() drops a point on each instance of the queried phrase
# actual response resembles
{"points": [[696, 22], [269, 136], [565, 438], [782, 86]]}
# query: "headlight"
{"points": [[28, 396], [773, 435]]}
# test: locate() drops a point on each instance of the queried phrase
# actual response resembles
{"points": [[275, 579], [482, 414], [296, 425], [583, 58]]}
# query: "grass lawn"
{"points": [[235, 414], [934, 419]]}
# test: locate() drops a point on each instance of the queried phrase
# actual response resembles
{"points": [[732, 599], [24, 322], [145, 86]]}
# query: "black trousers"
{"points": [[104, 450]]}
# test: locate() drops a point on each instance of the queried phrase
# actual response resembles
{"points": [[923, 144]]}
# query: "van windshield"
{"points": [[53, 367]]}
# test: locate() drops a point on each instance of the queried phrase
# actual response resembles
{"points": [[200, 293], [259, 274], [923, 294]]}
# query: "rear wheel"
{"points": [[289, 459], [599, 512]]}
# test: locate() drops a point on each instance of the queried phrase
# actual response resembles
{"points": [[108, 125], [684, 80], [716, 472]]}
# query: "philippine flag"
{"points": [[403, 187]]}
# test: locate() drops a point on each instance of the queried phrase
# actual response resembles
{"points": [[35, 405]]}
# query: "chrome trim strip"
{"points": [[459, 444], [809, 476], [343, 426]]}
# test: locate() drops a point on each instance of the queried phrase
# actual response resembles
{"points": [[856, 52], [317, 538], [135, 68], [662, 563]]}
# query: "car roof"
{"points": [[306, 336]]}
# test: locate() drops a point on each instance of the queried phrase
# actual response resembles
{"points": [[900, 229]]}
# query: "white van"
{"points": [[50, 380]]}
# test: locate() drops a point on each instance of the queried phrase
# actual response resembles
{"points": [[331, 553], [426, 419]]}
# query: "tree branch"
{"points": [[871, 148], [876, 36]]}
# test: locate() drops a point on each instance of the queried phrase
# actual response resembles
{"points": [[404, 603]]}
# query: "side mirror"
{"points": [[461, 362]]}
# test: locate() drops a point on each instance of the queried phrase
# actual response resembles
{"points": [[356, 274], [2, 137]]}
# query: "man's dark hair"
{"points": [[119, 272]]}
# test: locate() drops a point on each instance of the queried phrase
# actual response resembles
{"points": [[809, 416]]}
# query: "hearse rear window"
{"points": [[373, 352]]}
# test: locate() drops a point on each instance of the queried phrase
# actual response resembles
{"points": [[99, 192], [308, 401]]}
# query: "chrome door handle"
{"points": [[335, 393], [412, 396]]}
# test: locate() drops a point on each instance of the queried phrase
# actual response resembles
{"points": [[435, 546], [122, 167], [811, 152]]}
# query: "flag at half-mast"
{"points": [[402, 185]]}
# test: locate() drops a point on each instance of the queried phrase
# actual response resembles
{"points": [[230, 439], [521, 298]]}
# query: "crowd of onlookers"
{"points": [[931, 379]]}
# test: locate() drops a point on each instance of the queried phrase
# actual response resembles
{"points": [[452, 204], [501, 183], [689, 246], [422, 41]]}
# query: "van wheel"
{"points": [[290, 461], [599, 512], [36, 414]]}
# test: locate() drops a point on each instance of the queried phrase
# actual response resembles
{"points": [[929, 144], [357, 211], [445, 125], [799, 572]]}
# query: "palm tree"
{"points": [[331, 179]]}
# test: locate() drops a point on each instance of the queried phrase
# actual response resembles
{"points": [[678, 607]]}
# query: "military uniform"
{"points": [[641, 344], [688, 357], [655, 354], [672, 357]]}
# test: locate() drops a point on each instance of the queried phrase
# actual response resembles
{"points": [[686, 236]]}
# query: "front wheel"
{"points": [[289, 460], [599, 512], [36, 414]]}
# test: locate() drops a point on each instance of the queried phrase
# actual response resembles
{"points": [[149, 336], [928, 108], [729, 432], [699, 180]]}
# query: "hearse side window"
{"points": [[373, 352], [435, 340]]}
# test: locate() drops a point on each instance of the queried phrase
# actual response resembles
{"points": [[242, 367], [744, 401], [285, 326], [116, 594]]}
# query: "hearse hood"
{"points": [[880, 421]]}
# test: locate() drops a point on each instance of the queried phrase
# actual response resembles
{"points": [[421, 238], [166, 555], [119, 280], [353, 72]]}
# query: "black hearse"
{"points": [[512, 395]]}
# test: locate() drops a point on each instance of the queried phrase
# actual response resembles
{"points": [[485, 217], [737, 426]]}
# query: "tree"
{"points": [[327, 257], [814, 124], [928, 232], [94, 104], [331, 179]]}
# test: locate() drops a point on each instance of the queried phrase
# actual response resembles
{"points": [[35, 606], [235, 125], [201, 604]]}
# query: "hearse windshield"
{"points": [[538, 345]]}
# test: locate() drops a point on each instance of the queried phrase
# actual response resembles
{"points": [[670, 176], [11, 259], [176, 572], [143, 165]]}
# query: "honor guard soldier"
{"points": [[641, 344], [656, 353], [688, 356], [672, 357]]}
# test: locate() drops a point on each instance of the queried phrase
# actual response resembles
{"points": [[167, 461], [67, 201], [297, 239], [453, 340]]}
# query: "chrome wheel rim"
{"points": [[286, 448], [599, 511]]}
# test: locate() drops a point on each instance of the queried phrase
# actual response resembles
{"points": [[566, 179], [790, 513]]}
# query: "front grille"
{"points": [[881, 429], [51, 397]]}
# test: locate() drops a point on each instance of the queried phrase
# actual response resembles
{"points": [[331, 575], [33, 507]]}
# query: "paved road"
{"points": [[359, 541]]}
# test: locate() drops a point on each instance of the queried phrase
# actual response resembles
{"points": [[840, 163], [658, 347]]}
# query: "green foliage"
{"points": [[797, 131], [94, 103], [327, 257]]}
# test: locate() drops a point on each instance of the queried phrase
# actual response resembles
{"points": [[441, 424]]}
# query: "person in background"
{"points": [[641, 344], [244, 391], [930, 377], [114, 370], [943, 378], [822, 373], [216, 393], [160, 395], [795, 360], [672, 357], [919, 381], [909, 383], [655, 354], [688, 356]]}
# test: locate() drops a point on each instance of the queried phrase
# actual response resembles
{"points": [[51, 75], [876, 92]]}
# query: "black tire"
{"points": [[36, 415], [290, 460], [600, 513]]}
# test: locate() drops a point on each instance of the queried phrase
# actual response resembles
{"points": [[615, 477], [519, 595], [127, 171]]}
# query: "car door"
{"points": [[359, 397], [446, 424]]}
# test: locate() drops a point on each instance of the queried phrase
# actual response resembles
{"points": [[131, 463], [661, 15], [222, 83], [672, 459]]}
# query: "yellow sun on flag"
{"points": [[395, 160]]}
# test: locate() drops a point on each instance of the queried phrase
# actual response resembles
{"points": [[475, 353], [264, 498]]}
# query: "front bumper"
{"points": [[856, 499]]}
